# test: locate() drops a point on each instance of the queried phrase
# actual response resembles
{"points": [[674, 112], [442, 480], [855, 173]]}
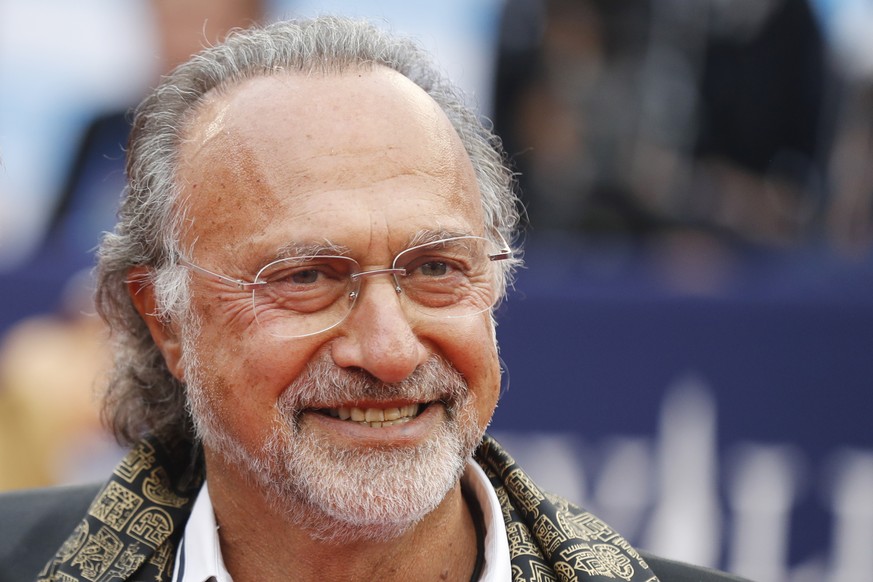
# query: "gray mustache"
{"points": [[323, 384]]}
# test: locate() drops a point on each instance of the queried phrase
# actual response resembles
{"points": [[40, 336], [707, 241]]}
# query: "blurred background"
{"points": [[687, 352]]}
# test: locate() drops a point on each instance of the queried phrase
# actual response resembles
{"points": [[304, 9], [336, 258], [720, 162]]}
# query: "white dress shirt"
{"points": [[198, 558]]}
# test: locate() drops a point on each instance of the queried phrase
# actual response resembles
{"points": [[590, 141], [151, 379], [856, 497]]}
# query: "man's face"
{"points": [[365, 161]]}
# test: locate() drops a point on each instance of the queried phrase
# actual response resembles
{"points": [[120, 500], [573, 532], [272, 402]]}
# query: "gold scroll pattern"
{"points": [[550, 539], [132, 527]]}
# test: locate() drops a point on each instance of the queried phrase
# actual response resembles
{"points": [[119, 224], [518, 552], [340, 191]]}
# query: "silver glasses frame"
{"points": [[504, 253]]}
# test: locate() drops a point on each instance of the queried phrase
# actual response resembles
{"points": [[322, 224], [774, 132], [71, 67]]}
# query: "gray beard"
{"points": [[343, 494]]}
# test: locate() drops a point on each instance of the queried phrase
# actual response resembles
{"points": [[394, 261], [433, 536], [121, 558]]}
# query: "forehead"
{"points": [[294, 156]]}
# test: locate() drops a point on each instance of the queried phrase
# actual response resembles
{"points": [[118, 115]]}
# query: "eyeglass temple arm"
{"points": [[505, 251], [221, 278]]}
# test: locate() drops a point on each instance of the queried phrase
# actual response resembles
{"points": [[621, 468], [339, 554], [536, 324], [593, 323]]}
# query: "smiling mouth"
{"points": [[376, 417]]}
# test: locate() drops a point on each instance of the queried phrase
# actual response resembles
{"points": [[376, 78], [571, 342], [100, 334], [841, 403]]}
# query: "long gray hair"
{"points": [[142, 396]]}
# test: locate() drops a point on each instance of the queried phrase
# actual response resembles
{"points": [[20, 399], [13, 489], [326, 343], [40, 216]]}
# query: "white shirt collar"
{"points": [[198, 558], [497, 567]]}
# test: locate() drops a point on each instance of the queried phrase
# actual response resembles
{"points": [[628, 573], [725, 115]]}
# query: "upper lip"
{"points": [[397, 403], [374, 414]]}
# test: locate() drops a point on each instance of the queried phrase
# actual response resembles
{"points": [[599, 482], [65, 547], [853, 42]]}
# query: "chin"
{"points": [[343, 494]]}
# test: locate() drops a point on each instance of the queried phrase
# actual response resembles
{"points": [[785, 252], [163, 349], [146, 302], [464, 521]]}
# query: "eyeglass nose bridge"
{"points": [[357, 277]]}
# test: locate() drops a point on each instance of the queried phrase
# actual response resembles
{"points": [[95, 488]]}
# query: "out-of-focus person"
{"points": [[51, 364]]}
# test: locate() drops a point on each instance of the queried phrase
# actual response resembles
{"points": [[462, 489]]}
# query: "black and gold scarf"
{"points": [[134, 526]]}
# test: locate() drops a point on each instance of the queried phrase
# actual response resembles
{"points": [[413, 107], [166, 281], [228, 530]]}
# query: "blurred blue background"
{"points": [[687, 351]]}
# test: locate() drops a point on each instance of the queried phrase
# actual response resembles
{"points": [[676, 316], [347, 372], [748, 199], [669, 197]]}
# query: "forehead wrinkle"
{"points": [[447, 172], [300, 177]]}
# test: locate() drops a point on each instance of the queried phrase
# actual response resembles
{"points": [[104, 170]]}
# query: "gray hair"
{"points": [[143, 397]]}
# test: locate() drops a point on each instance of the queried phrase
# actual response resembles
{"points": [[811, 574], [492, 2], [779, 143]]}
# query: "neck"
{"points": [[260, 543]]}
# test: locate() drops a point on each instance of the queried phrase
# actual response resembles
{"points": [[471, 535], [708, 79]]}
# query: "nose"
{"points": [[377, 335]]}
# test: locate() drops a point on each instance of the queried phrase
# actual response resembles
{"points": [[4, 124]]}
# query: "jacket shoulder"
{"points": [[33, 525], [674, 571]]}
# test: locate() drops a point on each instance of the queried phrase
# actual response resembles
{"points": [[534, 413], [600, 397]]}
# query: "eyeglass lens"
{"points": [[449, 278]]}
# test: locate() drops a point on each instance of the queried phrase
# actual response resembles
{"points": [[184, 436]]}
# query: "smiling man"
{"points": [[301, 288]]}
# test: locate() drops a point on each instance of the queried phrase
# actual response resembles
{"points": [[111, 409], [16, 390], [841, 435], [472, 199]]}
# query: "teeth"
{"points": [[376, 417]]}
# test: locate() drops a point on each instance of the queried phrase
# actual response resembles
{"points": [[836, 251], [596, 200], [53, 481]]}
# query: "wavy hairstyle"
{"points": [[142, 396]]}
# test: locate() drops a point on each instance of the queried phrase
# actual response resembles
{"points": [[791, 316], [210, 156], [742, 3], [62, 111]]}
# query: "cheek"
{"points": [[472, 351], [487, 390], [244, 379]]}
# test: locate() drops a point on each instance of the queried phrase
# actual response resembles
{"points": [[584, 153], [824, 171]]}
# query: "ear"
{"points": [[164, 333]]}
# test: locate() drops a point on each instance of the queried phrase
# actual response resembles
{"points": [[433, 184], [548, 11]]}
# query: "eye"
{"points": [[305, 277], [309, 275], [434, 268], [300, 273]]}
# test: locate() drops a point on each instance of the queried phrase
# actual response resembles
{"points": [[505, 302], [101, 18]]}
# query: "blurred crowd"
{"points": [[53, 365], [730, 124], [733, 119]]}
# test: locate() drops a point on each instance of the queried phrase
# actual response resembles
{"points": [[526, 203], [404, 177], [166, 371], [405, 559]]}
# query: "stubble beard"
{"points": [[344, 494]]}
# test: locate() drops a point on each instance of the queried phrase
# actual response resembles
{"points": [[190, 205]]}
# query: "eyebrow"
{"points": [[312, 249], [428, 236]]}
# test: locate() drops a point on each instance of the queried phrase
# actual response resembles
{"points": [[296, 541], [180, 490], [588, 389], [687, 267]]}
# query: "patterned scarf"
{"points": [[135, 523]]}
